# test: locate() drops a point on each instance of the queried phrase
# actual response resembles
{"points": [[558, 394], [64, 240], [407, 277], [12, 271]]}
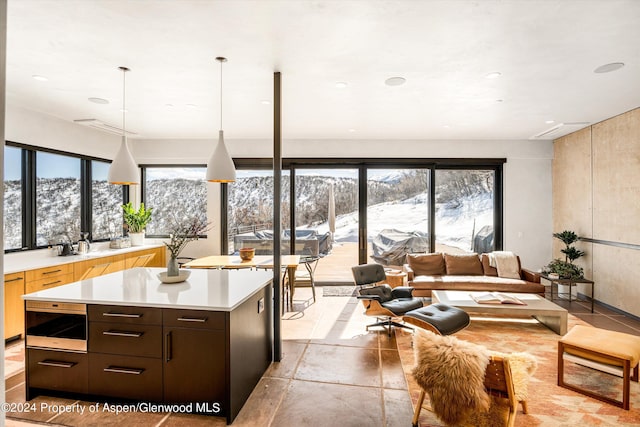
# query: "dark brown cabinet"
{"points": [[63, 371], [191, 376], [211, 360]]}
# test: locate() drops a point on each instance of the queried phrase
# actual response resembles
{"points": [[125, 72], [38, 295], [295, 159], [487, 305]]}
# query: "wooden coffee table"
{"points": [[544, 311]]}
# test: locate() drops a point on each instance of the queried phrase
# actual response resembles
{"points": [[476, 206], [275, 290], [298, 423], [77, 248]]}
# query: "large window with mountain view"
{"points": [[464, 218], [106, 201], [12, 198], [373, 212], [51, 196], [57, 199], [250, 210], [174, 193]]}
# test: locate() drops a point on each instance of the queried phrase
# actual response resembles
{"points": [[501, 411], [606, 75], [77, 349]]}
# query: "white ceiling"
{"points": [[546, 51]]}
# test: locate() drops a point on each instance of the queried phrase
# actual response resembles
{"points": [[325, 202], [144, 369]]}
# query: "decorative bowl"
{"points": [[181, 277], [246, 254]]}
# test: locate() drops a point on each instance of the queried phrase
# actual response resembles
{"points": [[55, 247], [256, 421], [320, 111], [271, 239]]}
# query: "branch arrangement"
{"points": [[184, 232]]}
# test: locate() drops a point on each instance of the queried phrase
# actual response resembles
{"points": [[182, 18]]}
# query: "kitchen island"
{"points": [[203, 343]]}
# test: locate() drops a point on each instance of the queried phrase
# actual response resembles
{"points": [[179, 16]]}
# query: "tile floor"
{"points": [[332, 372]]}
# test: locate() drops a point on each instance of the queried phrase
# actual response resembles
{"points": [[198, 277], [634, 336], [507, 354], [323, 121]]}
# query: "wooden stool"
{"points": [[615, 353]]}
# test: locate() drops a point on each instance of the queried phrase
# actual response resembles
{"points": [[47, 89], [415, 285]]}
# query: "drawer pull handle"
{"points": [[57, 364], [13, 280], [130, 316], [51, 272], [51, 283], [119, 370], [192, 319], [122, 334]]}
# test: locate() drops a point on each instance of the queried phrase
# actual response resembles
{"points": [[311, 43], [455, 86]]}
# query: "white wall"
{"points": [[527, 173]]}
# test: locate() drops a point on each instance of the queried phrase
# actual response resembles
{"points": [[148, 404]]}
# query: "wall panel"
{"points": [[616, 178], [615, 272], [572, 204]]}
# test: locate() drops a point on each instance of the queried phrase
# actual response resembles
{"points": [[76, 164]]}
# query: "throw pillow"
{"points": [[467, 265], [486, 267], [427, 264]]}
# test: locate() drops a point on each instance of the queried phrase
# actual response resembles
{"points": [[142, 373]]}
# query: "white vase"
{"points": [[137, 239]]}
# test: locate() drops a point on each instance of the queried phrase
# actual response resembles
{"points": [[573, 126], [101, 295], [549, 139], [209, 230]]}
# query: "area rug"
{"points": [[548, 404], [339, 291]]}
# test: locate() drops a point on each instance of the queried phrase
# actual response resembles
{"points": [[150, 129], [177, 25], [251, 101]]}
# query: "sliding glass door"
{"points": [[465, 201], [397, 214], [326, 211]]}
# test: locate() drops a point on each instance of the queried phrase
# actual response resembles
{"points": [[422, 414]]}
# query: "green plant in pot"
{"points": [[135, 221], [566, 269]]}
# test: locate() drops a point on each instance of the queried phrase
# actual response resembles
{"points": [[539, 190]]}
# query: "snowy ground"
{"points": [[454, 223]]}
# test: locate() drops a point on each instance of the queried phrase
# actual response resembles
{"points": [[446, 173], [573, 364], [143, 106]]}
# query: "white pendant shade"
{"points": [[123, 169], [220, 167]]}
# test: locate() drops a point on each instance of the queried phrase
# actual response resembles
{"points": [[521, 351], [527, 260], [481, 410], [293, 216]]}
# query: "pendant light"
{"points": [[220, 167], [123, 169]]}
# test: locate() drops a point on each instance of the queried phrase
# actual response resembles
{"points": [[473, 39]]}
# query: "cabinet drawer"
{"points": [[125, 314], [14, 277], [126, 339], [125, 377], [49, 272], [58, 370], [199, 319], [48, 282]]}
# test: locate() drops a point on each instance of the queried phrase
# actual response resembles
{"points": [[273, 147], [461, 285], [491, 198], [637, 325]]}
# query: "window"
{"points": [[12, 198], [106, 201], [464, 211], [250, 211], [174, 193], [50, 197], [57, 199]]}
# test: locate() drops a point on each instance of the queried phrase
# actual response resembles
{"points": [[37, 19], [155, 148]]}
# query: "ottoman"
{"points": [[616, 353], [438, 318]]}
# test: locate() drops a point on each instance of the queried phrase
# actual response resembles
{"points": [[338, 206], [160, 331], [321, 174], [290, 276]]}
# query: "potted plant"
{"points": [[135, 222], [183, 232], [566, 269]]}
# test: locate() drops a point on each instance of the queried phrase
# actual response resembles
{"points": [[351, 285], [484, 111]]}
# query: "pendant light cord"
{"points": [[124, 83], [221, 59]]}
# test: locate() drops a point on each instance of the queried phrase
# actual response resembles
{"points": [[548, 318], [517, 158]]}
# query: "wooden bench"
{"points": [[612, 352]]}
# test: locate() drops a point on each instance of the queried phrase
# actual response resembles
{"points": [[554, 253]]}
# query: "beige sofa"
{"points": [[468, 272]]}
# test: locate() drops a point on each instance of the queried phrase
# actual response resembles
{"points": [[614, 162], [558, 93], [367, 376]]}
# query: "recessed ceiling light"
{"points": [[342, 85], [549, 121], [265, 102], [40, 78], [446, 127], [98, 100], [395, 81], [352, 130], [607, 68], [493, 75], [191, 106], [168, 105], [499, 100]]}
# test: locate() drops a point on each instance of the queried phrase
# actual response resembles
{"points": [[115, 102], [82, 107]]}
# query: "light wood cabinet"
{"points": [[116, 263], [49, 277], [13, 305], [158, 260]]}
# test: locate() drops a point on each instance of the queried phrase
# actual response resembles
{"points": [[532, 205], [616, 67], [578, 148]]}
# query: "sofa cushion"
{"points": [[423, 285], [427, 264], [467, 264]]}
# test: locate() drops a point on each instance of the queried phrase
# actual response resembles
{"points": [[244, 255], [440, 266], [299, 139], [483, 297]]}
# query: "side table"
{"points": [[396, 278], [571, 283]]}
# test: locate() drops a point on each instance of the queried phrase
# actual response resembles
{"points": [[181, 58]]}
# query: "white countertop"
{"points": [[15, 262], [220, 290]]}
